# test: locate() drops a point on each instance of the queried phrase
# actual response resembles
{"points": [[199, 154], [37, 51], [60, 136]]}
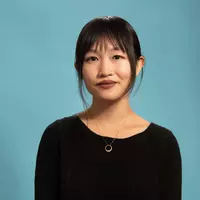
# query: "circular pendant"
{"points": [[108, 148]]}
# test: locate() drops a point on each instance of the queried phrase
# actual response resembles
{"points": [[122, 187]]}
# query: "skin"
{"points": [[107, 110]]}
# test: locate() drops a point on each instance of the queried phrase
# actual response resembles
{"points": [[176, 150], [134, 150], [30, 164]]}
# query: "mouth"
{"points": [[106, 85]]}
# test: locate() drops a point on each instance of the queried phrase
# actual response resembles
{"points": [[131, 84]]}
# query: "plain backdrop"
{"points": [[38, 82]]}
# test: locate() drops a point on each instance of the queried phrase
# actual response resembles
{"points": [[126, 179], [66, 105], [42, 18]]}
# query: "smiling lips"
{"points": [[106, 85], [106, 82]]}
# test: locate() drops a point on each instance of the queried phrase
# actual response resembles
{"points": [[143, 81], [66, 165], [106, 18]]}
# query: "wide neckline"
{"points": [[126, 138]]}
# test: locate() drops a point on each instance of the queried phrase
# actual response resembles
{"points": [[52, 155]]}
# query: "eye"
{"points": [[117, 57], [91, 58]]}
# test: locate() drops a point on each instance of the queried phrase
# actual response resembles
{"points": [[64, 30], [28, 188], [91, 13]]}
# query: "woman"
{"points": [[108, 151]]}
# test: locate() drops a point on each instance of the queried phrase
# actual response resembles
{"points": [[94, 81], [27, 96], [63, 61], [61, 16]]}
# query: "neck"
{"points": [[109, 112]]}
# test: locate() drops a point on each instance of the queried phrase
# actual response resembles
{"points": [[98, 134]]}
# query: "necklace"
{"points": [[108, 147]]}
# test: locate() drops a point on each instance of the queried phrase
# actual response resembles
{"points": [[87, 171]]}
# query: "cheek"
{"points": [[88, 76], [124, 71]]}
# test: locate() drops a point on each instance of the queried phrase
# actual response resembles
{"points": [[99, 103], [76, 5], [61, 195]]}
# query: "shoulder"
{"points": [[164, 138], [68, 121], [58, 126], [50, 135], [161, 132]]}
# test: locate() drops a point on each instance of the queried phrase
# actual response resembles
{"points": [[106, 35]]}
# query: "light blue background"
{"points": [[38, 82]]}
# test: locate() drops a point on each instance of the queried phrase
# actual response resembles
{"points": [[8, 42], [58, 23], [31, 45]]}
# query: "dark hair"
{"points": [[120, 33]]}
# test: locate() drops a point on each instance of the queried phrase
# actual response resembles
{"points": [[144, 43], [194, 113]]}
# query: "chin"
{"points": [[107, 97]]}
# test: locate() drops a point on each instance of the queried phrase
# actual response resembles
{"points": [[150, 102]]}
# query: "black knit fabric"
{"points": [[72, 164]]}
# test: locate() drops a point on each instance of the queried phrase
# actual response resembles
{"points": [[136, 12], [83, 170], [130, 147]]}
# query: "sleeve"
{"points": [[171, 170], [47, 165]]}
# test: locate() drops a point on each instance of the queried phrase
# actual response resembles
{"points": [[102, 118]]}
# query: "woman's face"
{"points": [[99, 64]]}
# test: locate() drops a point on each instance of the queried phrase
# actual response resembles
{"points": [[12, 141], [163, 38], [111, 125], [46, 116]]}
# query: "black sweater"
{"points": [[72, 164]]}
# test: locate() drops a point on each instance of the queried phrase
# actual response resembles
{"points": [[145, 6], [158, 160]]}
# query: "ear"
{"points": [[140, 64]]}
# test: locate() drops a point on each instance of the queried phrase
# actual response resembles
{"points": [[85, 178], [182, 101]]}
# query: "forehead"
{"points": [[104, 45]]}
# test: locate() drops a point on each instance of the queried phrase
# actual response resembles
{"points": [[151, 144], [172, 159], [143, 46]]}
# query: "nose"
{"points": [[105, 67]]}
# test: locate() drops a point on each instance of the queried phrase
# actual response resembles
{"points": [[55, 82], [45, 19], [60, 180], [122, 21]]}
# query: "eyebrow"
{"points": [[111, 49]]}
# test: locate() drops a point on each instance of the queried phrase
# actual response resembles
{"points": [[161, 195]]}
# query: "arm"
{"points": [[171, 170], [47, 165]]}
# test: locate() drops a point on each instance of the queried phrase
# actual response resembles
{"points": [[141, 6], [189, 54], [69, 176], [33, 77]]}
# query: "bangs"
{"points": [[102, 40], [98, 33]]}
